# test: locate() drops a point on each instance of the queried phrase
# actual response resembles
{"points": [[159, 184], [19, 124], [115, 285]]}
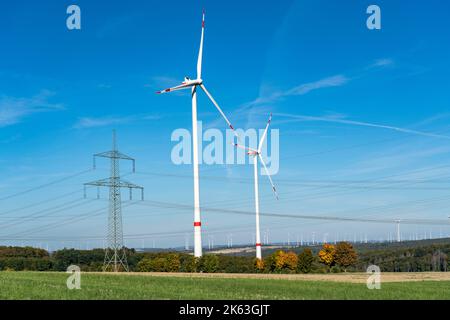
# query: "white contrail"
{"points": [[362, 124]]}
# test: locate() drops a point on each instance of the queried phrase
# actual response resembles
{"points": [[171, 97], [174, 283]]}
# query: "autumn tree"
{"points": [[259, 265], [305, 261], [291, 262], [327, 255], [345, 255], [282, 261]]}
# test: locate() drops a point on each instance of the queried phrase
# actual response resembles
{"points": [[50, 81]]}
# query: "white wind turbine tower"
{"points": [[193, 84], [256, 154]]}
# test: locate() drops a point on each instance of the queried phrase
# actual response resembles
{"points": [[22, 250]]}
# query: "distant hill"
{"points": [[361, 248]]}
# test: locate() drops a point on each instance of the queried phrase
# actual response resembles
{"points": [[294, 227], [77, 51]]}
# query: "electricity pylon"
{"points": [[115, 253]]}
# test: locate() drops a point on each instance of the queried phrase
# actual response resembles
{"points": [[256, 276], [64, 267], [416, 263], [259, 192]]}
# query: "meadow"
{"points": [[52, 286]]}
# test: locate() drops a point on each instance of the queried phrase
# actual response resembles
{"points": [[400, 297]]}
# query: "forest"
{"points": [[340, 257]]}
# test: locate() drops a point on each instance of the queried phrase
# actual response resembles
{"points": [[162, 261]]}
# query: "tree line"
{"points": [[18, 258], [341, 257]]}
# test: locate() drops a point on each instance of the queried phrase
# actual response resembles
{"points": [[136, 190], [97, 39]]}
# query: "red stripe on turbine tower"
{"points": [[197, 224], [259, 245]]}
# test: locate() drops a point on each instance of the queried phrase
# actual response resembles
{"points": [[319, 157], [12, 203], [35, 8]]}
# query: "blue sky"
{"points": [[354, 107]]}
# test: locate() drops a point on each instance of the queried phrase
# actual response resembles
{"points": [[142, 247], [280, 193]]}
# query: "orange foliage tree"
{"points": [[259, 265], [327, 254], [346, 255], [286, 261]]}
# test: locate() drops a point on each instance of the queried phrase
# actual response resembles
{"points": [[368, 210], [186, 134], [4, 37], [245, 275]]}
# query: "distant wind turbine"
{"points": [[256, 154], [193, 84]]}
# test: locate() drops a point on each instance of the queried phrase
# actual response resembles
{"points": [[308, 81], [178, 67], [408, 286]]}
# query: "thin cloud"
{"points": [[253, 109], [335, 81], [361, 124], [305, 88], [397, 157], [302, 89], [13, 110], [90, 122], [434, 118], [382, 63], [263, 105]]}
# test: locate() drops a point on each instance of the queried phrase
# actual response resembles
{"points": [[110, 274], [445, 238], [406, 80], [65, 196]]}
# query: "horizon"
{"points": [[363, 120]]}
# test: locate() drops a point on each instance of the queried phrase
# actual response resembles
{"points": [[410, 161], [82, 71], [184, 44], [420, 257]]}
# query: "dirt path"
{"points": [[341, 277]]}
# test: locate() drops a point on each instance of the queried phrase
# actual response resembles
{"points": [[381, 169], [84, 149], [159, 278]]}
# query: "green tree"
{"points": [[173, 263], [305, 261], [144, 265], [236, 264], [208, 263], [188, 263], [158, 265]]}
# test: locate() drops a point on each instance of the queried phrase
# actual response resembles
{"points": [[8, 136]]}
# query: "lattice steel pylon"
{"points": [[115, 251]]}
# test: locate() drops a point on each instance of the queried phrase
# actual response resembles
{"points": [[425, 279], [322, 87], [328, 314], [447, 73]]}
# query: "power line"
{"points": [[47, 212], [40, 202], [307, 182], [45, 185], [379, 184], [299, 216], [317, 195]]}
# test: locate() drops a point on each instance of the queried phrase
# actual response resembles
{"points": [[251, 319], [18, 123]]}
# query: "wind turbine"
{"points": [[193, 84], [256, 154], [398, 230]]}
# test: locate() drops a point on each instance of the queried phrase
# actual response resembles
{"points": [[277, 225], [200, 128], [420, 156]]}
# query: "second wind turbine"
{"points": [[256, 154], [193, 84]]}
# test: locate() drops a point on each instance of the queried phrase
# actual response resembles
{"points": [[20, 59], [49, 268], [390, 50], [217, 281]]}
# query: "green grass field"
{"points": [[35, 285]]}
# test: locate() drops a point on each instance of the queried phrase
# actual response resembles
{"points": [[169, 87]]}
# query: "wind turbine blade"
{"points": [[200, 52], [180, 87], [265, 134], [250, 150], [268, 176], [219, 109]]}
